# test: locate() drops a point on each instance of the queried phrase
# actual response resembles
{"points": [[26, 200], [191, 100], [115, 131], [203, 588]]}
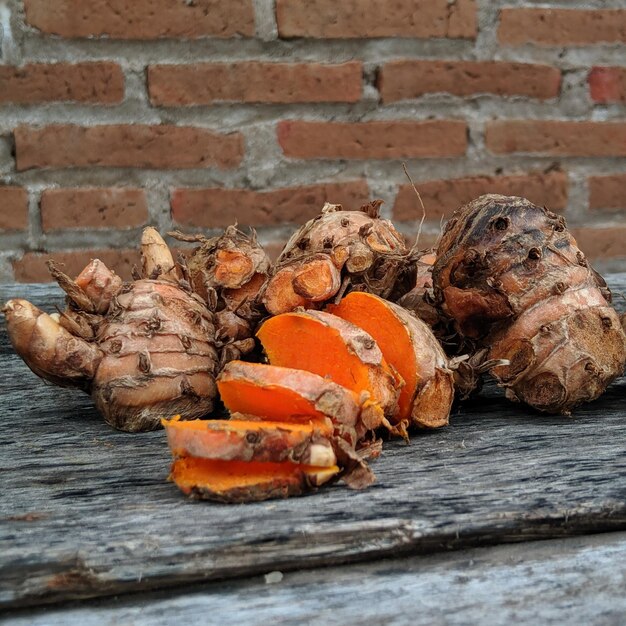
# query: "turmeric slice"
{"points": [[326, 345], [238, 481], [242, 440], [288, 395], [410, 347]]}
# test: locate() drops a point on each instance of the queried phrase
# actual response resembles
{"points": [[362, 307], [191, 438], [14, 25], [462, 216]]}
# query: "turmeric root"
{"points": [[143, 350], [326, 345], [238, 439], [240, 481], [289, 395], [410, 347], [512, 279], [239, 460], [334, 252], [228, 272]]}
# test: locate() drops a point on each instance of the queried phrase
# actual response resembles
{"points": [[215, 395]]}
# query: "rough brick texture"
{"points": [[101, 83], [205, 83], [608, 192], [402, 80], [373, 140], [194, 114], [601, 243], [13, 209], [608, 84], [93, 208], [370, 18], [557, 138], [562, 27], [442, 197], [141, 19], [210, 208], [125, 146]]}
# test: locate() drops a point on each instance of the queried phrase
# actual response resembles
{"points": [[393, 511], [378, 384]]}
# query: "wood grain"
{"points": [[566, 581], [86, 511]]}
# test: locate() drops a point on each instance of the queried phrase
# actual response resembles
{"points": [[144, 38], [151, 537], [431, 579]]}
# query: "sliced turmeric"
{"points": [[410, 347], [291, 395], [240, 481], [243, 440], [326, 345]]}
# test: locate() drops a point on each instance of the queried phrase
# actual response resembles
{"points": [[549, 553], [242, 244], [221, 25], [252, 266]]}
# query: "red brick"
{"points": [[142, 19], [329, 19], [166, 147], [93, 208], [217, 207], [561, 27], [373, 140], [557, 138], [607, 84], [607, 192], [442, 197], [252, 81], [101, 83], [402, 80], [13, 208], [601, 243], [31, 267]]}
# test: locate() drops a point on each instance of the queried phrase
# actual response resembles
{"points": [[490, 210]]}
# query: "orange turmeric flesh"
{"points": [[282, 393], [237, 481], [318, 279], [376, 317], [242, 440], [326, 345], [231, 266], [411, 348]]}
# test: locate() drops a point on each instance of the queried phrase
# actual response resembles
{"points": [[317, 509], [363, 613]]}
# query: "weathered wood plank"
{"points": [[575, 581], [86, 510]]}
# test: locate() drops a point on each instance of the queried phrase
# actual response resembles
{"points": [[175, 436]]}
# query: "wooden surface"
{"points": [[565, 581], [86, 511]]}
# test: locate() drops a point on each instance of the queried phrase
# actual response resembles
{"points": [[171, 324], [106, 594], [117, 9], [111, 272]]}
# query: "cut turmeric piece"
{"points": [[286, 394], [411, 348], [279, 295], [239, 481], [243, 440], [326, 345]]}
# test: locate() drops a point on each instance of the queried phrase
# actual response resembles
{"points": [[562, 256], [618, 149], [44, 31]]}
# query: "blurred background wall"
{"points": [[192, 114]]}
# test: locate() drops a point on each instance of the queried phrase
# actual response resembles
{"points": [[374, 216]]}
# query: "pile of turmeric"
{"points": [[312, 361]]}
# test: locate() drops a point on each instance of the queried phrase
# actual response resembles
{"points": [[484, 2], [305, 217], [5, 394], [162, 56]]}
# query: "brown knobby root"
{"points": [[333, 253], [48, 348], [512, 279], [409, 346], [329, 346], [143, 350], [229, 271]]}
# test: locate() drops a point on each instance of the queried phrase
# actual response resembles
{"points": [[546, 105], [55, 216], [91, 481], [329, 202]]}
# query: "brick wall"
{"points": [[195, 113]]}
